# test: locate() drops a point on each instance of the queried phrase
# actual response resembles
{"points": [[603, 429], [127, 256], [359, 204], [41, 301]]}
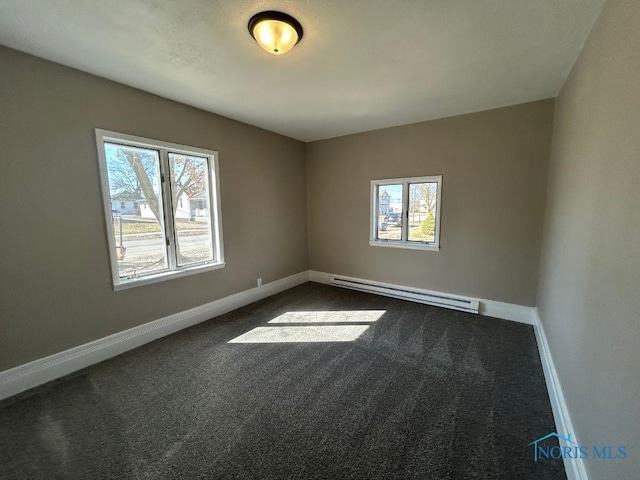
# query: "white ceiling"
{"points": [[362, 64]]}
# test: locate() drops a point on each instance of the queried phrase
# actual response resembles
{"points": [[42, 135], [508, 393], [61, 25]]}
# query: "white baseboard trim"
{"points": [[320, 277], [489, 308], [574, 467], [508, 311], [38, 372]]}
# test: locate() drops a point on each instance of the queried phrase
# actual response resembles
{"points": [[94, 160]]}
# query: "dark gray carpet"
{"points": [[422, 393]]}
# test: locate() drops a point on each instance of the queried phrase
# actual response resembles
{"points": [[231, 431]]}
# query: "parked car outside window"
{"points": [[394, 219]]}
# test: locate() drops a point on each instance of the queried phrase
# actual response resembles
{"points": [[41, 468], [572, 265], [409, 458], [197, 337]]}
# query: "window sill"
{"points": [[408, 246], [161, 277]]}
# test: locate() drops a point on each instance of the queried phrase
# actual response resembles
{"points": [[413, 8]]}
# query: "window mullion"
{"points": [[405, 211], [376, 211], [169, 230], [211, 204]]}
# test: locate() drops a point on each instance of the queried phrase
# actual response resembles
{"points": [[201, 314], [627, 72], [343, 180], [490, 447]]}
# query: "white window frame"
{"points": [[164, 148], [404, 242]]}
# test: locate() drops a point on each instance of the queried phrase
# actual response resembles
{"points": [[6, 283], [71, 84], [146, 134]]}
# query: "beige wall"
{"points": [[55, 285], [494, 167], [589, 295]]}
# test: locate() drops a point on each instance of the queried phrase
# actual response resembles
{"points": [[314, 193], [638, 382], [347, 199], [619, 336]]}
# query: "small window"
{"points": [[160, 240], [405, 212]]}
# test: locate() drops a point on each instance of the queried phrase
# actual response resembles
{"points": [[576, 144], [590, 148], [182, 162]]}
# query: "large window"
{"points": [[162, 207], [405, 212]]}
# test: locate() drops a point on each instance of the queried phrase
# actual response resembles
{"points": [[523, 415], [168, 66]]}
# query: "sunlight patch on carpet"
{"points": [[325, 316], [302, 334]]}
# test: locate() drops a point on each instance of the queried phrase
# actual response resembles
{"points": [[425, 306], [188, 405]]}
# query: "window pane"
{"points": [[136, 209], [389, 212], [192, 222], [422, 212]]}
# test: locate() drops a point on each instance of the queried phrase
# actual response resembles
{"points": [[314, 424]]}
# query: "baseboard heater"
{"points": [[437, 299]]}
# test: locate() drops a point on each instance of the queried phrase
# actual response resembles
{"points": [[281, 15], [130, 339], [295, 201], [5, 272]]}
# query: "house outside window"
{"points": [[405, 212], [151, 181], [383, 203]]}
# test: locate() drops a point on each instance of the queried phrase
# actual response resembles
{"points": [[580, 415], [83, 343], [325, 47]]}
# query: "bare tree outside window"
{"points": [[406, 212], [137, 210], [192, 225], [162, 206], [133, 170], [423, 198], [134, 179]]}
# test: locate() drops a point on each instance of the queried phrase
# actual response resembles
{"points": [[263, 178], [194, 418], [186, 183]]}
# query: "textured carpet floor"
{"points": [[267, 392]]}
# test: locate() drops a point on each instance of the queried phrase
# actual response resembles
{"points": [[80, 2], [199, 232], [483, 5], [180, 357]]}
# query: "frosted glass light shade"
{"points": [[275, 32]]}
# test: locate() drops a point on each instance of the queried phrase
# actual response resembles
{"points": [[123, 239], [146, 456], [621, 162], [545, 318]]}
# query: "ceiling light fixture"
{"points": [[276, 32]]}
